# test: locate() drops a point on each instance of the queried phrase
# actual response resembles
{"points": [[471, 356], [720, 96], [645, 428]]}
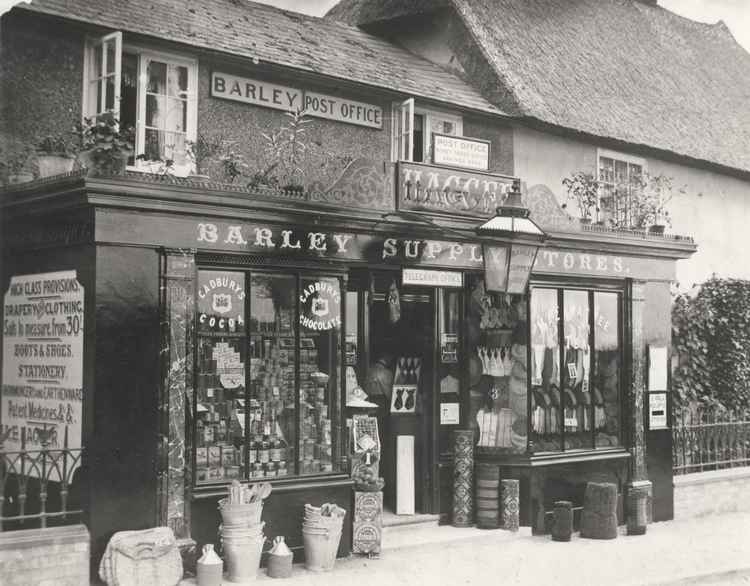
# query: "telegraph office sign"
{"points": [[289, 99]]}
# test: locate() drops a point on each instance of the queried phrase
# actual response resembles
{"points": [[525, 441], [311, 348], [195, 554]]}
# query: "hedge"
{"points": [[711, 339]]}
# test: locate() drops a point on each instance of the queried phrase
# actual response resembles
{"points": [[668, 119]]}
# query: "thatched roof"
{"points": [[358, 12], [268, 34], [622, 69]]}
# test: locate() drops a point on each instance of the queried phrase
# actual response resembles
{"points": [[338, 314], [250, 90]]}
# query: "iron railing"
{"points": [[702, 442], [41, 486]]}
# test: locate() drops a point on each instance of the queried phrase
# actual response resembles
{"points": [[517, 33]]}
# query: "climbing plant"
{"points": [[711, 340]]}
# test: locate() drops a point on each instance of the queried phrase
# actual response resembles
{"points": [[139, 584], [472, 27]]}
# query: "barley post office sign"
{"points": [[289, 99]]}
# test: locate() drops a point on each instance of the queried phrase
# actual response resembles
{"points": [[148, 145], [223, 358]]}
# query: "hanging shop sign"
{"points": [[431, 278], [657, 411], [449, 348], [320, 305], [289, 99], [450, 414], [458, 151], [427, 188], [42, 382], [221, 301]]}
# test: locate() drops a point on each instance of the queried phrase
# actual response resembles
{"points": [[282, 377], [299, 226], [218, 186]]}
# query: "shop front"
{"points": [[245, 339]]}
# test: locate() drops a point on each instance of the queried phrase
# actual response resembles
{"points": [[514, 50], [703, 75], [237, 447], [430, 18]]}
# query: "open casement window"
{"points": [[104, 75], [404, 131], [413, 129], [155, 93]]}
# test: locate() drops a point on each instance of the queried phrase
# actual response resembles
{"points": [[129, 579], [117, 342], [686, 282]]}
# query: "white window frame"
{"points": [[92, 45], [403, 142], [616, 156], [143, 53]]}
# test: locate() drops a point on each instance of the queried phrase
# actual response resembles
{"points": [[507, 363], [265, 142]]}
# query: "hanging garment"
{"points": [[394, 303]]}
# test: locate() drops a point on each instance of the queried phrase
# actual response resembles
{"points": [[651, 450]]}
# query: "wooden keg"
{"points": [[487, 496]]}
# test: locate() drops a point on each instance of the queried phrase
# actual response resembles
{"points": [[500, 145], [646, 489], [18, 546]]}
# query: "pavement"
{"points": [[704, 551]]}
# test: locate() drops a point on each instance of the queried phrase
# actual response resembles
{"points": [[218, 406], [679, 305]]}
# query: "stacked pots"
{"points": [[321, 530], [242, 536]]}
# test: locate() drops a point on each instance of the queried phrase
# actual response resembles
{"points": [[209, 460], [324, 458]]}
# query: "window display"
{"points": [[266, 385], [497, 343], [545, 371], [575, 372]]}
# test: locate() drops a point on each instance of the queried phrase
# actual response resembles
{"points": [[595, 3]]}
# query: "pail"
{"points": [[321, 546], [241, 514], [242, 558], [241, 531]]}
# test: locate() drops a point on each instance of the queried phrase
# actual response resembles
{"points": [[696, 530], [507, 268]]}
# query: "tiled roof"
{"points": [[261, 32], [622, 69]]}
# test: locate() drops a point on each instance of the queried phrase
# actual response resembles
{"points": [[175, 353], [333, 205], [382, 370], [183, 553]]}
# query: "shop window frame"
{"points": [[559, 285], [257, 266], [143, 54]]}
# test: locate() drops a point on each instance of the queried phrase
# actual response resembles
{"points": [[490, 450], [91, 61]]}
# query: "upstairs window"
{"points": [[620, 180], [155, 93], [413, 128]]}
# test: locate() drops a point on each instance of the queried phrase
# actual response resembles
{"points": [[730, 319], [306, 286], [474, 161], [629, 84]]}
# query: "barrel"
{"points": [[487, 496], [562, 525]]}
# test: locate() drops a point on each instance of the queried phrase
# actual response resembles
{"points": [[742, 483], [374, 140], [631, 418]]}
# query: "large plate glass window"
{"points": [[268, 375], [154, 93], [575, 369]]}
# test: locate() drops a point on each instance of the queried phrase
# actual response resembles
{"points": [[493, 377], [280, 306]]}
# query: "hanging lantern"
{"points": [[508, 264]]}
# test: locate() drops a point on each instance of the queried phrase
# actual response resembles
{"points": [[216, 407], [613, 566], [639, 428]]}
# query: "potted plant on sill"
{"points": [[16, 163], [651, 206], [202, 150], [55, 155], [105, 147], [583, 189]]}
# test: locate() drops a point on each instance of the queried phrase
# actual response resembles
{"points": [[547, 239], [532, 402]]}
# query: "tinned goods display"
{"points": [[315, 445], [219, 423]]}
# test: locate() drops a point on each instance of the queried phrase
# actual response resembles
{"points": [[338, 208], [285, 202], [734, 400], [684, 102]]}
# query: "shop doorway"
{"points": [[402, 335]]}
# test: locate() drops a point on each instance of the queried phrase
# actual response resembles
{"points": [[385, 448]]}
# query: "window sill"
{"points": [[288, 484]]}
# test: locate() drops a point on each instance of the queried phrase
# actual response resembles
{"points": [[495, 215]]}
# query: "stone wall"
{"points": [[58, 556], [708, 493]]}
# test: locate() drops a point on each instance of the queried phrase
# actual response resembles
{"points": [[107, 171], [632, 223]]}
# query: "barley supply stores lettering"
{"points": [[294, 242], [42, 385]]}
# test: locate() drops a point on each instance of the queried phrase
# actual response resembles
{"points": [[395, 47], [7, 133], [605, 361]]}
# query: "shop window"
{"points": [[620, 181], [155, 93], [413, 128], [575, 369], [267, 386]]}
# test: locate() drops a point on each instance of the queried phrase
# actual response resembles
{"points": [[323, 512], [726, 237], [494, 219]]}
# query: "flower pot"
{"points": [[113, 166], [50, 165], [656, 229]]}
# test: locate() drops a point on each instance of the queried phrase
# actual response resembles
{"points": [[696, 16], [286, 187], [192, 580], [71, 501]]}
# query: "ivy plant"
{"points": [[711, 340]]}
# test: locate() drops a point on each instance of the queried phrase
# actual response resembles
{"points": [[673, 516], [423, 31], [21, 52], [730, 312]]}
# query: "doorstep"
{"points": [[400, 531]]}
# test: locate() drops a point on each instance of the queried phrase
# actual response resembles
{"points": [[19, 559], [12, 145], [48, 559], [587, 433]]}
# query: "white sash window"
{"points": [[155, 93]]}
